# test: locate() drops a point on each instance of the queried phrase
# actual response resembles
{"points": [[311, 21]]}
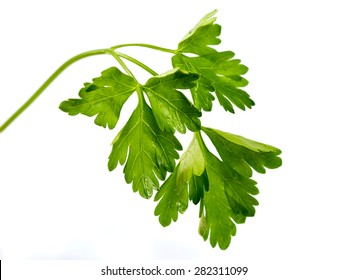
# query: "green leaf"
{"points": [[104, 97], [173, 199], [147, 147], [198, 39], [197, 187], [241, 154], [192, 162], [172, 110], [229, 199], [223, 187], [217, 211], [203, 229], [191, 171], [147, 151], [219, 73], [173, 194]]}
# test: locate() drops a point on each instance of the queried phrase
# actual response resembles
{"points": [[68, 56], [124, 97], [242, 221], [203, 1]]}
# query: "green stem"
{"points": [[139, 63], [121, 63], [50, 80], [145, 46], [201, 142], [140, 95]]}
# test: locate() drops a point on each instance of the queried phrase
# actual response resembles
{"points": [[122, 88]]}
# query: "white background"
{"points": [[58, 201]]}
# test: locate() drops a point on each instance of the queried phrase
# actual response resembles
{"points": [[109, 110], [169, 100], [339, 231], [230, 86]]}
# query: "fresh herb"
{"points": [[147, 146]]}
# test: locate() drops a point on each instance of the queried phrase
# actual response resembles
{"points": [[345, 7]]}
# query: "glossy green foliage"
{"points": [[104, 97], [171, 108], [219, 72], [223, 187], [149, 150]]}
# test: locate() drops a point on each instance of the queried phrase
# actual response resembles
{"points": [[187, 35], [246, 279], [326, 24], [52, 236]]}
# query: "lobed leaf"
{"points": [[219, 73], [173, 199], [173, 194], [148, 148], [223, 187], [198, 39], [240, 153], [228, 201], [192, 162], [104, 97], [147, 151], [217, 210], [172, 110]]}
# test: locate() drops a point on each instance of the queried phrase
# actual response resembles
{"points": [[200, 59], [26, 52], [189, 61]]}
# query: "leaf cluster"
{"points": [[149, 150]]}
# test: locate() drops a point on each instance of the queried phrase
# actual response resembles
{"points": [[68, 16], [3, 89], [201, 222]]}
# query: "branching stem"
{"points": [[121, 63], [50, 80], [69, 62], [139, 63], [145, 46]]}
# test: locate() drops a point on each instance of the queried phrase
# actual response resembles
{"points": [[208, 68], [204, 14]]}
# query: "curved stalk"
{"points": [[121, 63], [137, 62], [72, 60], [51, 79], [145, 46]]}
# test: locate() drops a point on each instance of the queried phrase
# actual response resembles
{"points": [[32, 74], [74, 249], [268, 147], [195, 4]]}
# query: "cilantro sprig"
{"points": [[147, 146]]}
